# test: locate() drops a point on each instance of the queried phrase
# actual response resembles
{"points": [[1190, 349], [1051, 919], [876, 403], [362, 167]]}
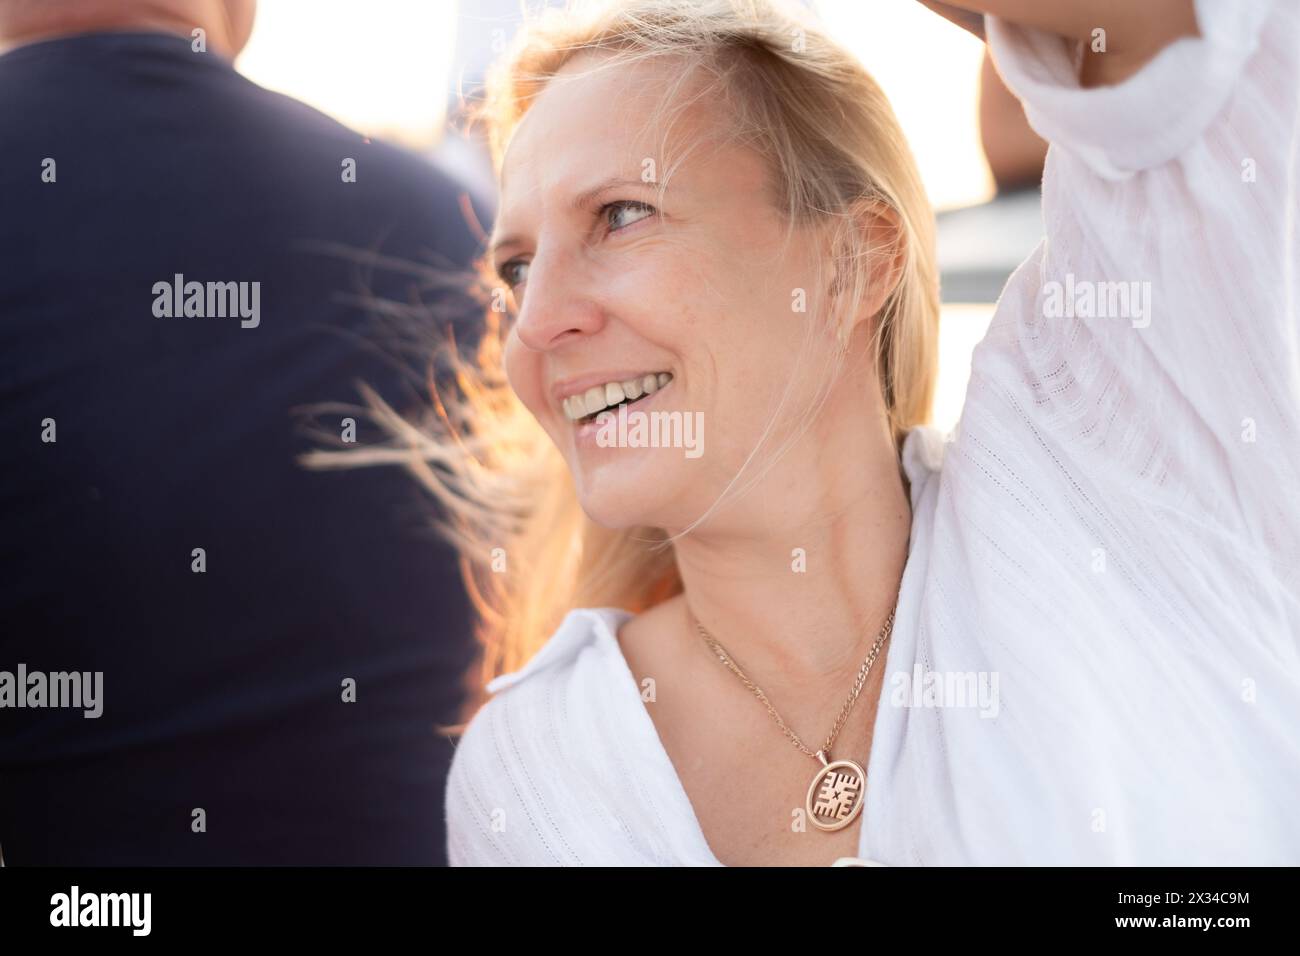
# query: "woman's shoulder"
{"points": [[527, 754], [581, 628], [581, 653]]}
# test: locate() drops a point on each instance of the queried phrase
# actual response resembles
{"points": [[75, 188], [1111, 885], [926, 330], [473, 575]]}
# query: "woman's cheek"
{"points": [[524, 378]]}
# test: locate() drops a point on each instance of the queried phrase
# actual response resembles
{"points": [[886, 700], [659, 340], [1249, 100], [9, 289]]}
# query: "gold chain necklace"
{"points": [[839, 786]]}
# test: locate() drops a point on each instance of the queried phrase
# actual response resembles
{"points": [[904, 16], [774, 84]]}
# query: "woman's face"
{"points": [[617, 291]]}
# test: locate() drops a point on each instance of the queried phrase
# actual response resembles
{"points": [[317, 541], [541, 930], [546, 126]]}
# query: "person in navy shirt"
{"points": [[277, 645]]}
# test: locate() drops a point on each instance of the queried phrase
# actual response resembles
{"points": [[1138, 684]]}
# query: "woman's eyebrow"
{"points": [[581, 201], [585, 198]]}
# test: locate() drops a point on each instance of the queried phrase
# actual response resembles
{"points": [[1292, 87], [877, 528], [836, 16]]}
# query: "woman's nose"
{"points": [[557, 302]]}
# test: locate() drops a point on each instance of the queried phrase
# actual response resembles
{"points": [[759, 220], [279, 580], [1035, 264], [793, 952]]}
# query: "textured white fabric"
{"points": [[1113, 536], [563, 765]]}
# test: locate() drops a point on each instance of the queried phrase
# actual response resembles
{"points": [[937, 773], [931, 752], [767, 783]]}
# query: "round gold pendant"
{"points": [[836, 794]]}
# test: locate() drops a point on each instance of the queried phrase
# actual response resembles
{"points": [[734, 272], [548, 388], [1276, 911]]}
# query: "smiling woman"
{"points": [[709, 208], [614, 281], [693, 226], [678, 223]]}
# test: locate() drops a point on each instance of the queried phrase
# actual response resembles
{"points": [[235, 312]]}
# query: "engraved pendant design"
{"points": [[836, 794]]}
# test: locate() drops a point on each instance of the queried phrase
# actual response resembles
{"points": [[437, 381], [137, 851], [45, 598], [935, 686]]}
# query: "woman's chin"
{"points": [[619, 502]]}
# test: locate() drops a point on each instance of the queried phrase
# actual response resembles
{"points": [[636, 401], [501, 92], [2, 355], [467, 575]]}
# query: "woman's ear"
{"points": [[874, 237]]}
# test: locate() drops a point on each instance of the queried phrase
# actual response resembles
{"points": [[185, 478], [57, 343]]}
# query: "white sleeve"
{"points": [[1117, 533], [1181, 186], [1152, 116]]}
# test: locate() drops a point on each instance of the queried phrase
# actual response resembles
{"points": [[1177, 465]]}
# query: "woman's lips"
{"points": [[585, 431]]}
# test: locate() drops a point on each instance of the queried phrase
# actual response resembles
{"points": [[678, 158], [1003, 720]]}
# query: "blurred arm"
{"points": [[1134, 31], [1015, 153]]}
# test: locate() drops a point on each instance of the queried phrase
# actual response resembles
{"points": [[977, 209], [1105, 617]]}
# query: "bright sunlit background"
{"points": [[389, 68]]}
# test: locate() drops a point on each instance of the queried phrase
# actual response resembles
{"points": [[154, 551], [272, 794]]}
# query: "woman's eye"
{"points": [[513, 272], [625, 212], [618, 215]]}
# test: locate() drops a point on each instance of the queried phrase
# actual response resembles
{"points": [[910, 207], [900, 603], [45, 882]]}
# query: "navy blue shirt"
{"points": [[222, 689]]}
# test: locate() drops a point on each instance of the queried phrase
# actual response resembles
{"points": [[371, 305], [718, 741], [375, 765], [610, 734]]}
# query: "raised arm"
{"points": [[1131, 33]]}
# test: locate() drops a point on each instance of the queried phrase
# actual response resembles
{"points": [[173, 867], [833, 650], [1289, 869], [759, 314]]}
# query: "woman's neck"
{"points": [[796, 579]]}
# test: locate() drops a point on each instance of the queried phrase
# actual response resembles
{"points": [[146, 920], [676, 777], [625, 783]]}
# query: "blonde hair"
{"points": [[528, 552]]}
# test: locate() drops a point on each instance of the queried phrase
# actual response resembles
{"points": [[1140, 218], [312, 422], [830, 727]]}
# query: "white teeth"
{"points": [[600, 397]]}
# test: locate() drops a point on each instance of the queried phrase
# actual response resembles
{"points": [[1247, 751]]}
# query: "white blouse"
{"points": [[1096, 653]]}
